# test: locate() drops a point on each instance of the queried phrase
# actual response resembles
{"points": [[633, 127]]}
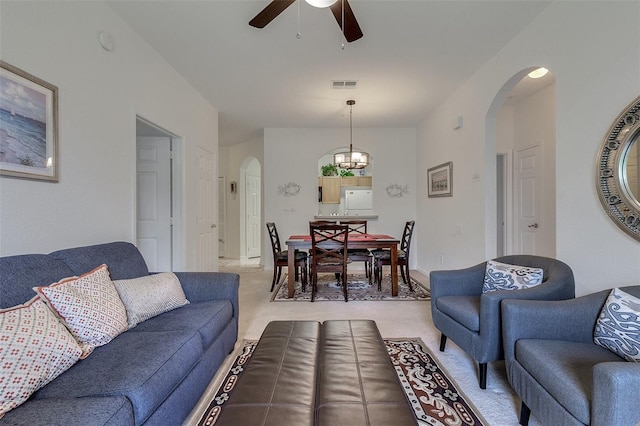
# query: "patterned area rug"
{"points": [[434, 397], [359, 289]]}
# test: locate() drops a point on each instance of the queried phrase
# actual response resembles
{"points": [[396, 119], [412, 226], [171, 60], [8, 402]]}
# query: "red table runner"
{"points": [[352, 237]]}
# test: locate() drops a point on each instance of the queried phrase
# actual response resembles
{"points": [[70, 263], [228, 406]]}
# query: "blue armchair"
{"points": [[560, 375], [472, 319]]}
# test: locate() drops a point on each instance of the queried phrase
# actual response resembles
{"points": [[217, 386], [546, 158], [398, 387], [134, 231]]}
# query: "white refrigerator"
{"points": [[358, 201]]}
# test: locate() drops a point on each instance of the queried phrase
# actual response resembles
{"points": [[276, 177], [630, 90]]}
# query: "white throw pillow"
{"points": [[90, 307], [618, 326], [35, 348], [148, 296], [503, 276]]}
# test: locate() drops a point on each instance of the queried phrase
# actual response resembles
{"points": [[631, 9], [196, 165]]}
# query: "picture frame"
{"points": [[28, 125], [440, 180]]}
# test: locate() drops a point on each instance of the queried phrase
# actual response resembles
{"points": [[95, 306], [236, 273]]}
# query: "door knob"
{"points": [[535, 225]]}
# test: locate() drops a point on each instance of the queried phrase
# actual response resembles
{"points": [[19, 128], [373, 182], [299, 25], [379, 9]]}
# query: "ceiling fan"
{"points": [[351, 30]]}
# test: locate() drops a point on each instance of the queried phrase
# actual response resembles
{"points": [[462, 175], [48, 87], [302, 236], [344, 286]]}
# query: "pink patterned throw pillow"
{"points": [[90, 307], [35, 348]]}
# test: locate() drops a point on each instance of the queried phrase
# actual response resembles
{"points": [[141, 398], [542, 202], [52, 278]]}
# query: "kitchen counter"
{"points": [[346, 217]]}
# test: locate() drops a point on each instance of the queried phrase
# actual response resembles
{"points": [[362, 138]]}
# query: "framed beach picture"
{"points": [[28, 125], [440, 180]]}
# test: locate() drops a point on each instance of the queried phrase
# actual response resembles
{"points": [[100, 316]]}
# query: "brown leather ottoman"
{"points": [[278, 386], [357, 383], [306, 373]]}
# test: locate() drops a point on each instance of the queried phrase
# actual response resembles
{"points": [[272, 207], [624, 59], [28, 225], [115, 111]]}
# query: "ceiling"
{"points": [[413, 55]]}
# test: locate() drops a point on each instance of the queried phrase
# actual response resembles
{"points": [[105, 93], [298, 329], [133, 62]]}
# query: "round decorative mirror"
{"points": [[617, 178]]}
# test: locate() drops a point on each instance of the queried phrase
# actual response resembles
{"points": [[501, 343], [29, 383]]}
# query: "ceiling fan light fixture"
{"points": [[321, 3], [351, 159], [538, 73]]}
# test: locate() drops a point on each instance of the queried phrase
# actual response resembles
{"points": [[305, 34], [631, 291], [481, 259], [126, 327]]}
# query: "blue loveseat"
{"points": [[152, 374]]}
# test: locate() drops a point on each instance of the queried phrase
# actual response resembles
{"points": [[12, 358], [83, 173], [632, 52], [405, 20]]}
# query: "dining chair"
{"points": [[328, 254], [382, 257], [359, 227], [280, 258]]}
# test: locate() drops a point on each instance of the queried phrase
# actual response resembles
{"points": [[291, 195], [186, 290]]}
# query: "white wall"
{"points": [[291, 155], [597, 69], [100, 94]]}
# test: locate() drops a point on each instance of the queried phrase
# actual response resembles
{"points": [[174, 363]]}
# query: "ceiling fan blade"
{"points": [[269, 13], [352, 31]]}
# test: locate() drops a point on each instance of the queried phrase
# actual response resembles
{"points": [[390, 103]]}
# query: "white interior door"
{"points": [[206, 221], [153, 189], [222, 215], [252, 198], [528, 193]]}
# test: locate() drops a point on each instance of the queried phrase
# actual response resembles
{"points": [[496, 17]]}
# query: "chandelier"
{"points": [[351, 159]]}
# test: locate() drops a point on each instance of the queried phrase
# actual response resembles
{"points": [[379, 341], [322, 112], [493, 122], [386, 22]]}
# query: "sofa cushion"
{"points": [[207, 318], [146, 297], [144, 367], [504, 276], [21, 273], [89, 306], [98, 411], [564, 369], [618, 325], [463, 309], [35, 348], [123, 259]]}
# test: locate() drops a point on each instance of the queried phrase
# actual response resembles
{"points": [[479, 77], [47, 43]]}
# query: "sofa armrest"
{"points": [[205, 286], [615, 394], [572, 320]]}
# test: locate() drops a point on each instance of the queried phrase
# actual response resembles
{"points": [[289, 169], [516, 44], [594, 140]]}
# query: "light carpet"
{"points": [[358, 289], [435, 398]]}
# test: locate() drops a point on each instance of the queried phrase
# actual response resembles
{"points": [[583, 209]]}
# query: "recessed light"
{"points": [[538, 73], [321, 3]]}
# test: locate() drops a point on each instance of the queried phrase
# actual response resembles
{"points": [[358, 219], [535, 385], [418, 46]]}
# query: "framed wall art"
{"points": [[440, 180], [28, 125]]}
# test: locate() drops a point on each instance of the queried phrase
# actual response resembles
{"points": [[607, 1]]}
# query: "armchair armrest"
{"points": [[457, 282], [549, 290], [540, 319], [615, 394], [205, 286]]}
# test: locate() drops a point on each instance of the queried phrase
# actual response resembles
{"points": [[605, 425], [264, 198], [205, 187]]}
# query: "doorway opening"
{"points": [[503, 203], [159, 232], [250, 195], [521, 140]]}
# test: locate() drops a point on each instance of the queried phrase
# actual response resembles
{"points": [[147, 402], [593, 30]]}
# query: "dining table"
{"points": [[356, 241]]}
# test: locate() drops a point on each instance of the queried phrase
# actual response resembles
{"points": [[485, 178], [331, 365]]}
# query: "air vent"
{"points": [[344, 84]]}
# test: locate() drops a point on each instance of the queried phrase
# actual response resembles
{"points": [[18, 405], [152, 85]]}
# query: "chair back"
{"points": [[275, 239], [405, 243], [355, 226], [328, 243], [323, 222]]}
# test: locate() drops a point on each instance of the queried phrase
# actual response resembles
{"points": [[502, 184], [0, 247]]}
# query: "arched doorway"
{"points": [[521, 140]]}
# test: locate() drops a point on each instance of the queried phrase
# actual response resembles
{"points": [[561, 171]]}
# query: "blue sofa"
{"points": [[559, 373], [152, 374]]}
